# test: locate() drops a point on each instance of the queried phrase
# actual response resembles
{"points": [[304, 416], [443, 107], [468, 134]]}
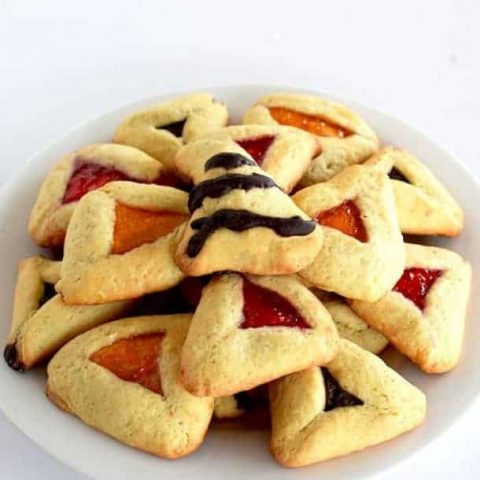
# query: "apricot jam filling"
{"points": [[133, 359], [136, 226], [315, 124], [346, 218]]}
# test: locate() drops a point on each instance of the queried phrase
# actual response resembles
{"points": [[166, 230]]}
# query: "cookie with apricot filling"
{"points": [[284, 153], [343, 136], [132, 365], [120, 243], [243, 221], [80, 172], [424, 206], [353, 402], [363, 253], [42, 323], [160, 130], [249, 330], [423, 315]]}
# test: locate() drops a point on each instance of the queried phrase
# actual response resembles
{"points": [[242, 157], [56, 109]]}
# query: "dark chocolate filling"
{"points": [[175, 128], [48, 293], [228, 161], [217, 187], [240, 220], [336, 396], [396, 174], [244, 400], [10, 355]]}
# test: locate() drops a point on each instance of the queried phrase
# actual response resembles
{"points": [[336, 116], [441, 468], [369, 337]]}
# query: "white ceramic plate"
{"points": [[224, 454]]}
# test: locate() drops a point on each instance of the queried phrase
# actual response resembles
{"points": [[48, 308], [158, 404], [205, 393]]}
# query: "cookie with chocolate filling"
{"points": [[363, 253], [352, 403], [424, 206], [243, 221], [160, 130], [284, 153], [249, 330], [120, 243], [239, 404], [42, 323], [122, 379], [80, 172], [423, 315], [343, 136]]}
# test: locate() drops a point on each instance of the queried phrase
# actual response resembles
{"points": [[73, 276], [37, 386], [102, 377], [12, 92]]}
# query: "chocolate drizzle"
{"points": [[335, 395], [228, 161], [175, 128], [217, 187], [396, 174], [240, 220], [10, 354]]}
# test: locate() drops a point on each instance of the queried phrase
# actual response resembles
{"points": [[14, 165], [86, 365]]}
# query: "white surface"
{"points": [[63, 62]]}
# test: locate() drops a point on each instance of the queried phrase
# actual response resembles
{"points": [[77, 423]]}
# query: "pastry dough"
{"points": [[343, 136], [424, 206], [92, 274], [284, 153], [364, 268], [356, 402], [169, 424], [92, 167], [431, 336], [42, 323], [351, 327], [162, 129], [225, 353]]}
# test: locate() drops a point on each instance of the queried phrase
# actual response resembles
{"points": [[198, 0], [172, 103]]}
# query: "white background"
{"points": [[62, 63]]}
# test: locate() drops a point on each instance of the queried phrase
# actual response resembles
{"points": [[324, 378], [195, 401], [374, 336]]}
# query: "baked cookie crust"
{"points": [[162, 129], [376, 405], [169, 424], [356, 142]]}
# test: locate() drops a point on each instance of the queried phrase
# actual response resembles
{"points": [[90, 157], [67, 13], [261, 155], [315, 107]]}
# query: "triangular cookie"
{"points": [[424, 206], [363, 254], [284, 153], [353, 403], [353, 328], [244, 222], [42, 322], [120, 243], [343, 136], [122, 379], [162, 129], [247, 331], [424, 314], [80, 172]]}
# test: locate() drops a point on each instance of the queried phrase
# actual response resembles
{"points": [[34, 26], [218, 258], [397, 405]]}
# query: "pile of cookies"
{"points": [[260, 265]]}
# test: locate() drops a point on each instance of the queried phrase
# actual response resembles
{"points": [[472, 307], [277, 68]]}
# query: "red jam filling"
{"points": [[257, 147], [315, 124], [346, 218], [133, 359], [415, 283], [136, 226], [265, 308], [88, 176]]}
